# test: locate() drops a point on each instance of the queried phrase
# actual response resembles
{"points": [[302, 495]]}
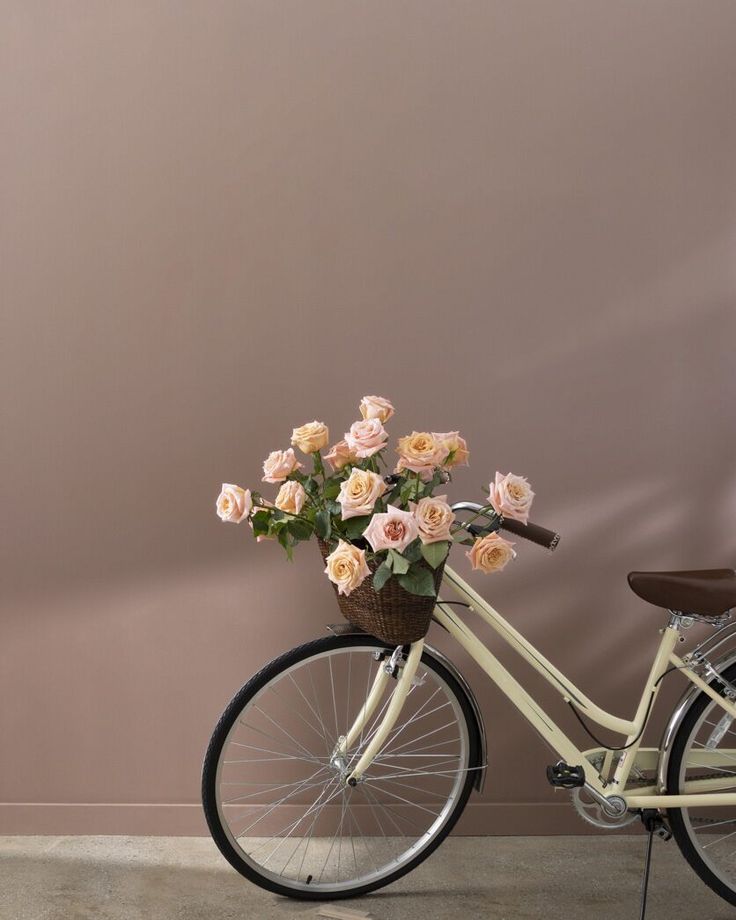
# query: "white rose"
{"points": [[233, 503]]}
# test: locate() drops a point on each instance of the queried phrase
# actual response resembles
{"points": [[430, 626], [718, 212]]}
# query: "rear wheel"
{"points": [[275, 798], [705, 748]]}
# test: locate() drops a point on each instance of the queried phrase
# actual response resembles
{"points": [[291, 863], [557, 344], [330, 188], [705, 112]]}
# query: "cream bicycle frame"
{"points": [[696, 793]]}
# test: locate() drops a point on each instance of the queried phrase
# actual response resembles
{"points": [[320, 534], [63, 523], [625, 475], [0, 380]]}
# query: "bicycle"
{"points": [[344, 763]]}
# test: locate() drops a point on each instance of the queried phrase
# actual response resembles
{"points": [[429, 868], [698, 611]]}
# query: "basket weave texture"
{"points": [[391, 614]]}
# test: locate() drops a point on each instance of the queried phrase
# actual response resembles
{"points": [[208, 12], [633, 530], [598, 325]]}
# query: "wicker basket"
{"points": [[391, 614]]}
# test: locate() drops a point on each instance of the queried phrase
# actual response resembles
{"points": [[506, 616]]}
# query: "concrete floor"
{"points": [[504, 878]]}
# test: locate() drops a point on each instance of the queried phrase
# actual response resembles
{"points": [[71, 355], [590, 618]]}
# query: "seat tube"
{"points": [[627, 758]]}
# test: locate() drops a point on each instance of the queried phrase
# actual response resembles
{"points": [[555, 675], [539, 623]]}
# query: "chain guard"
{"points": [[592, 813]]}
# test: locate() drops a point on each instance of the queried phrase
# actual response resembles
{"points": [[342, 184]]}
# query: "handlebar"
{"points": [[533, 532]]}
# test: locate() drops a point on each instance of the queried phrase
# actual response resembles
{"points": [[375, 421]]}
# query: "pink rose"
{"points": [[491, 553], [233, 503], [511, 496], [346, 567], [367, 437], [393, 530], [279, 464], [340, 455], [291, 497], [376, 407], [434, 517], [456, 448], [359, 493]]}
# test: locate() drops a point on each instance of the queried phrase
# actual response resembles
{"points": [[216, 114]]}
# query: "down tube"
{"points": [[509, 686]]}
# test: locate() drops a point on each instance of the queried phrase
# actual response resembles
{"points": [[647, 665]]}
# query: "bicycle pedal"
{"points": [[563, 776]]}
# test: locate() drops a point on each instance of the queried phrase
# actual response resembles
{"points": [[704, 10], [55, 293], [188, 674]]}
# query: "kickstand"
{"points": [[652, 821]]}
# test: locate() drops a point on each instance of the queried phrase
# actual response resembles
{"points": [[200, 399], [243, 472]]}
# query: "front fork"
{"points": [[389, 668]]}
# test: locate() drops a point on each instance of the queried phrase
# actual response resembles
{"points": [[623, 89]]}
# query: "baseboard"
{"points": [[187, 820]]}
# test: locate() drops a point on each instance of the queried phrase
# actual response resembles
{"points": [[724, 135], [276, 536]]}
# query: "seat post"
{"points": [[679, 620]]}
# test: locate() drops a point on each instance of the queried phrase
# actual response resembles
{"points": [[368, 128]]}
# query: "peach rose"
{"points": [[291, 497], [456, 448], [310, 437], [367, 437], [433, 517], [511, 496], [491, 553], [393, 530], [233, 503], [420, 452], [376, 407], [340, 455], [279, 464], [359, 493], [346, 567]]}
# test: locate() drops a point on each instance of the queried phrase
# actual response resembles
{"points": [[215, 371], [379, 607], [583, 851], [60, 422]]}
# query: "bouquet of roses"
{"points": [[370, 519]]}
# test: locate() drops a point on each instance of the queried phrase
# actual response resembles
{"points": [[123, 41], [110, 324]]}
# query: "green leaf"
{"points": [[435, 553], [354, 527], [418, 581], [381, 576], [260, 521], [408, 492], [323, 524], [331, 488], [311, 485], [413, 551], [299, 530], [399, 564], [286, 542]]}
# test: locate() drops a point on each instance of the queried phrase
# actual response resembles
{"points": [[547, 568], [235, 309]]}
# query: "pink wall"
{"points": [[220, 220]]}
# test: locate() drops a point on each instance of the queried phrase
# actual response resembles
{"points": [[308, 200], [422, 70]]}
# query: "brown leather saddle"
{"points": [[705, 593]]}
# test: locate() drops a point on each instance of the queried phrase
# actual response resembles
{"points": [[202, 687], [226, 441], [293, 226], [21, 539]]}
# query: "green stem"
{"points": [[273, 508]]}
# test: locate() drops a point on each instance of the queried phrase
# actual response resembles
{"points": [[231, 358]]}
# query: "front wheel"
{"points": [[705, 749], [274, 795]]}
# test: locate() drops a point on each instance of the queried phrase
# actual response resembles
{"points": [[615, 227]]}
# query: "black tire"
{"points": [[675, 815], [256, 683]]}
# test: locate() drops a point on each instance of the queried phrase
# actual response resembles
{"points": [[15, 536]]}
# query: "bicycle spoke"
{"points": [[334, 701], [390, 813], [253, 747], [427, 735], [406, 801], [300, 716], [274, 806], [281, 728], [332, 740], [252, 795]]}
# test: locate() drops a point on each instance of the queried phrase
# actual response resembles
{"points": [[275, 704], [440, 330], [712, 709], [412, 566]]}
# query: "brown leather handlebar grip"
{"points": [[539, 535]]}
